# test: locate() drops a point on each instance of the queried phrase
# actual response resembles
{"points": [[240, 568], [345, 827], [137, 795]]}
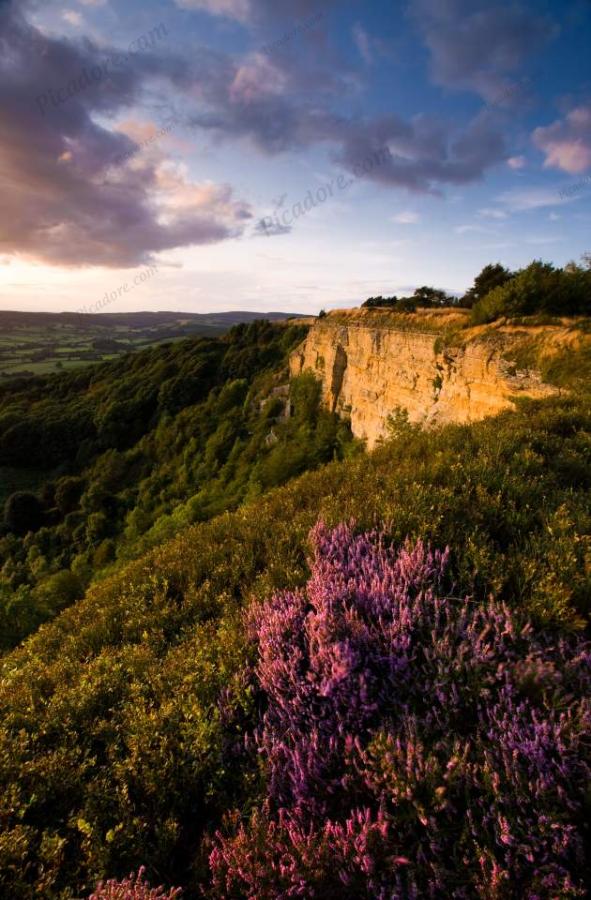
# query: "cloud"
{"points": [[469, 229], [84, 211], [423, 154], [543, 239], [363, 43], [478, 47], [529, 198], [256, 79], [255, 11], [231, 9], [490, 213], [516, 162], [62, 203], [72, 17], [407, 217], [567, 142], [260, 102], [267, 227]]}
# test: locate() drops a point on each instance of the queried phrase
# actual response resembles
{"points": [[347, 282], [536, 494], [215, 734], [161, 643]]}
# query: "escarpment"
{"points": [[373, 363]]}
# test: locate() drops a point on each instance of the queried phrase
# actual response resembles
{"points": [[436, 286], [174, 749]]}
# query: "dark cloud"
{"points": [[420, 155], [478, 46], [265, 99], [61, 202]]}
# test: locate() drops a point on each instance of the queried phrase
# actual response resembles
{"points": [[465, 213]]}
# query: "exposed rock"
{"points": [[370, 366]]}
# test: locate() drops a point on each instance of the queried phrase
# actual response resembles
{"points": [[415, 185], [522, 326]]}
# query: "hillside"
{"points": [[101, 464], [124, 720], [295, 605]]}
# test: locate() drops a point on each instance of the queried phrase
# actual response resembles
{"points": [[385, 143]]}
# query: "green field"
{"points": [[43, 343]]}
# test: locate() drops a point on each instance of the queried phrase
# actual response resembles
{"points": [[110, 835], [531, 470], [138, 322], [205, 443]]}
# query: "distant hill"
{"points": [[225, 320], [38, 343]]}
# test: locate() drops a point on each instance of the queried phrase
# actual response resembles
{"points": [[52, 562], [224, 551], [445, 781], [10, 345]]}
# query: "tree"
{"points": [[539, 288], [375, 302], [492, 276], [430, 296], [68, 492], [23, 513]]}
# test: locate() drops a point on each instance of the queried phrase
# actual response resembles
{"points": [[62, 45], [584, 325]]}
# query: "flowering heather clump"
{"points": [[133, 888], [415, 745]]}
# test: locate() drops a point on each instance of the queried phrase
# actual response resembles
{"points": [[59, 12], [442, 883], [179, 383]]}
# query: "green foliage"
{"points": [[23, 513], [429, 297], [68, 492], [122, 721], [380, 302], [539, 288], [59, 590], [492, 276], [184, 433], [399, 426], [426, 297]]}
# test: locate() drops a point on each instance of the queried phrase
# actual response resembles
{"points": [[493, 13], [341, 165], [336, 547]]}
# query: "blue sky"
{"points": [[284, 154]]}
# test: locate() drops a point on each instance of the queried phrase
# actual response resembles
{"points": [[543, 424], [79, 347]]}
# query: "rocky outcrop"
{"points": [[372, 364]]}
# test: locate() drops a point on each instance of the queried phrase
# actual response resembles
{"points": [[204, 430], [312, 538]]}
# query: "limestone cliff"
{"points": [[372, 363]]}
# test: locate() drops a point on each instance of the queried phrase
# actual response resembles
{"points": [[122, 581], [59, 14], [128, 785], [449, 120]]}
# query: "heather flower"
{"points": [[132, 888], [414, 744]]}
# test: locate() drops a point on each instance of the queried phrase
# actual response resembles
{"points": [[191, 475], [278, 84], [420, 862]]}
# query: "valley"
{"points": [[40, 344]]}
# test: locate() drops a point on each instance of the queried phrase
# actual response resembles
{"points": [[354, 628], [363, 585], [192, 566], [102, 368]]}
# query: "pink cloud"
{"points": [[566, 143]]}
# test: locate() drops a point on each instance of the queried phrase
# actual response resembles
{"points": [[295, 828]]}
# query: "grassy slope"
{"points": [[114, 748]]}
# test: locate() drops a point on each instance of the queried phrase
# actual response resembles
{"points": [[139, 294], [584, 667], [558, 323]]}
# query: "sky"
{"points": [[206, 155]]}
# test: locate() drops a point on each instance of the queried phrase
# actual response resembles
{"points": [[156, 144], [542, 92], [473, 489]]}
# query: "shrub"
{"points": [[132, 888], [68, 492], [539, 288], [415, 744], [59, 590], [23, 513]]}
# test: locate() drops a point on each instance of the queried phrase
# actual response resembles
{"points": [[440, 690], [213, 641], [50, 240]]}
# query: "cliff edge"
{"points": [[431, 363]]}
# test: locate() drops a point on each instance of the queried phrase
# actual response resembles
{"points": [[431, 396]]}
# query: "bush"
{"points": [[59, 590], [132, 888], [539, 288], [23, 513], [414, 744], [68, 492]]}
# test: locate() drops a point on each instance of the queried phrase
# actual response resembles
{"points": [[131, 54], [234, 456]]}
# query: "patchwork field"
{"points": [[43, 343]]}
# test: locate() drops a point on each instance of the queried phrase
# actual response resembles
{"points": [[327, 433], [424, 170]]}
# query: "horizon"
{"points": [[243, 149]]}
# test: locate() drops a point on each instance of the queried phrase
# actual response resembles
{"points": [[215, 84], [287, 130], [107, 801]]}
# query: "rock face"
{"points": [[372, 366]]}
